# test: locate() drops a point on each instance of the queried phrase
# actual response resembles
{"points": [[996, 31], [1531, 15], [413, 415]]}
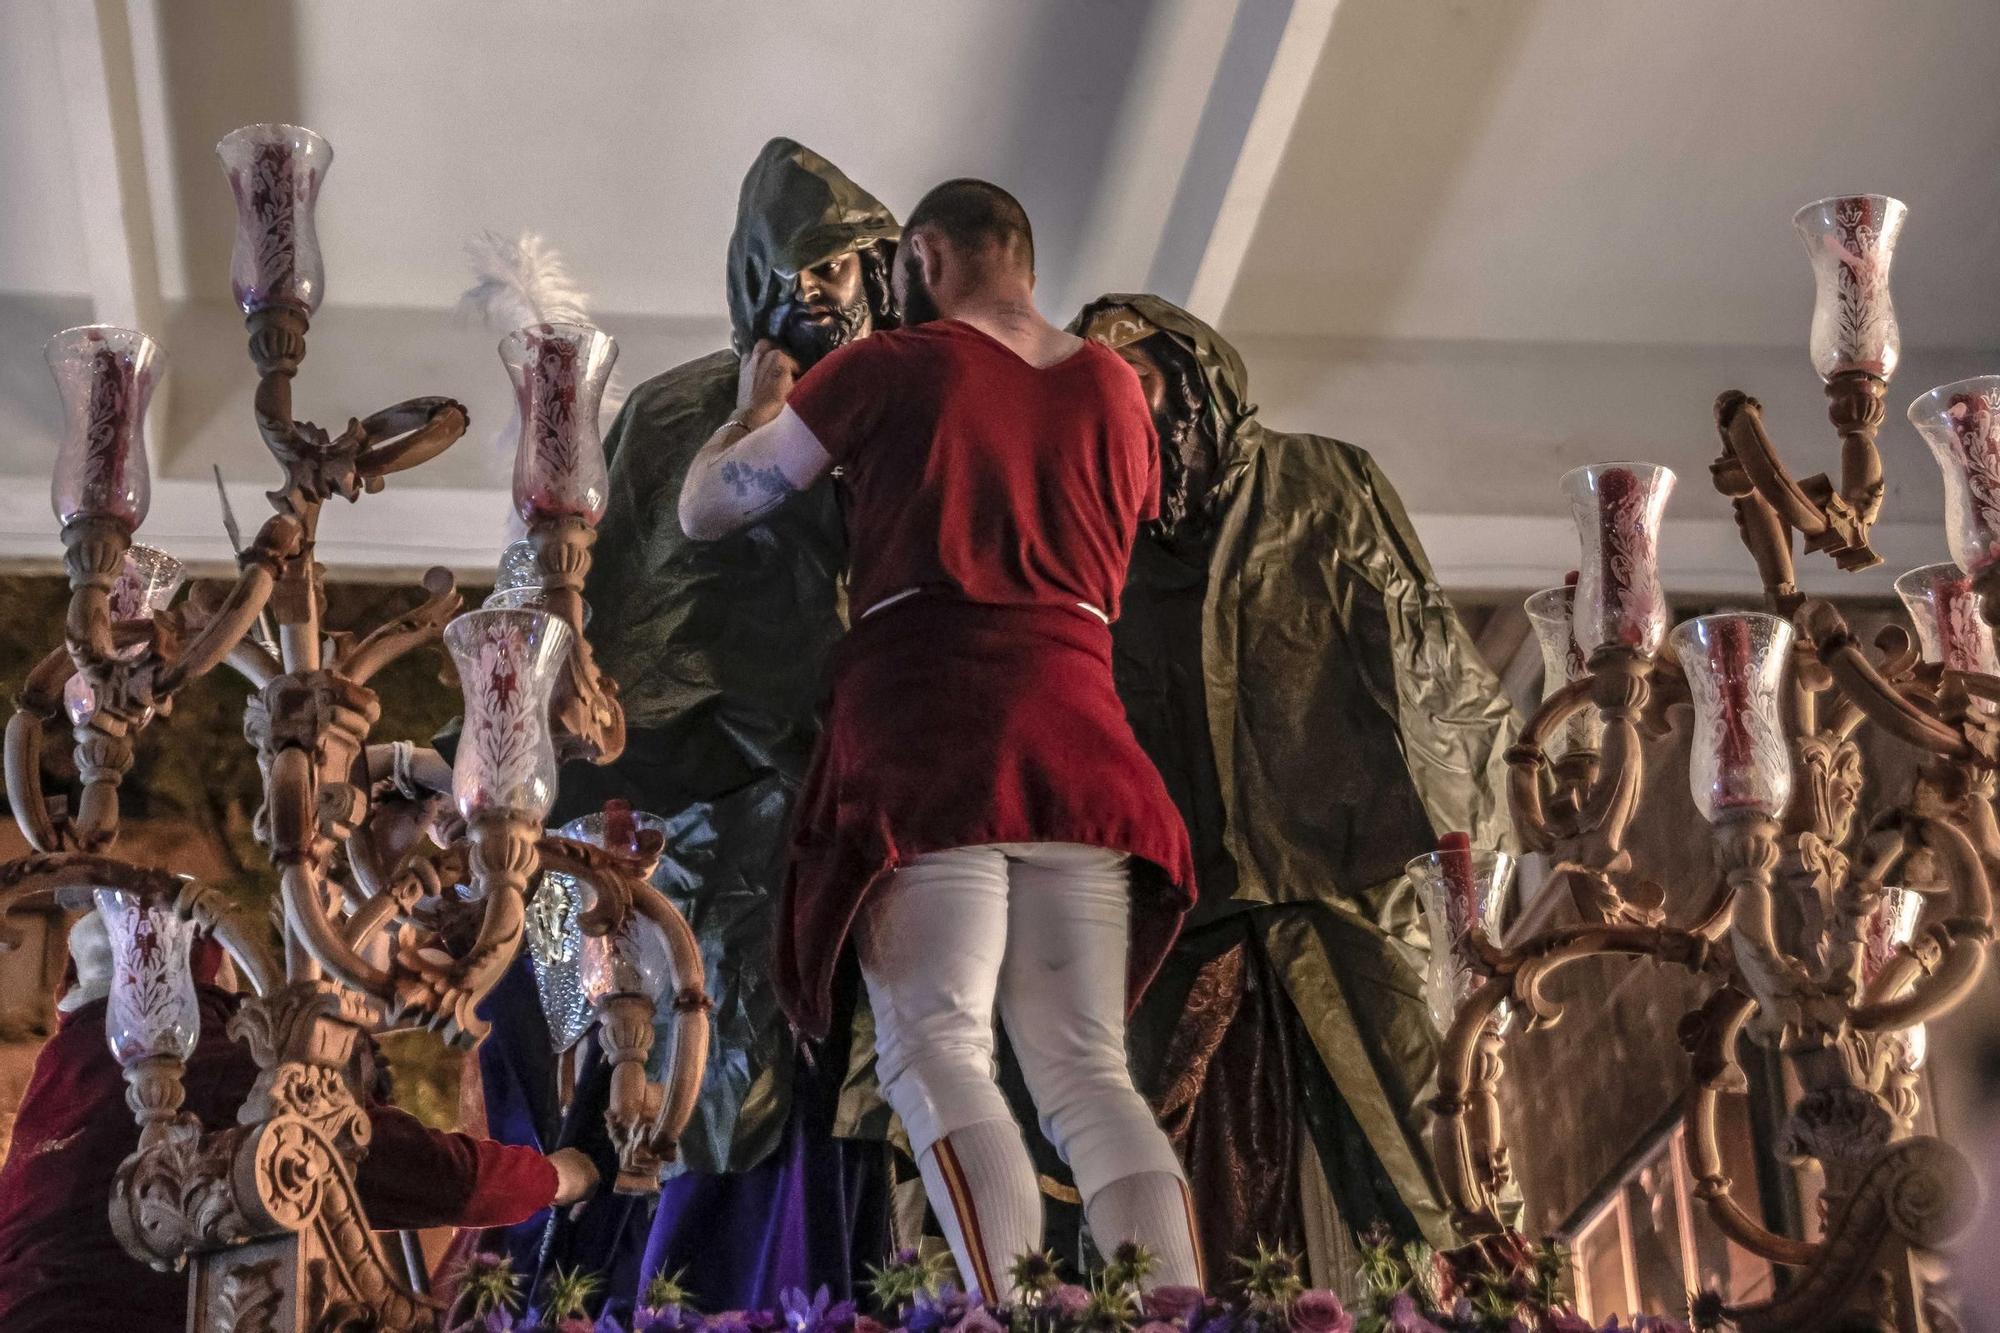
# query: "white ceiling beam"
{"points": [[401, 529], [93, 42], [1260, 85], [1180, 54]]}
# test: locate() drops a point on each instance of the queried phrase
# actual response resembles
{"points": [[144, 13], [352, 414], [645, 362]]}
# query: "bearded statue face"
{"points": [[1177, 395], [831, 304]]}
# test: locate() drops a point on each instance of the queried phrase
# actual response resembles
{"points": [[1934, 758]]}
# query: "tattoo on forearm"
{"points": [[759, 489]]}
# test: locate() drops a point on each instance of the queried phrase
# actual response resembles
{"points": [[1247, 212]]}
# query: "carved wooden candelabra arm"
{"points": [[404, 889], [1782, 937]]}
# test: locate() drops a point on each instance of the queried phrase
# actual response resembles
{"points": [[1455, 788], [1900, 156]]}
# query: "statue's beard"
{"points": [[809, 339], [919, 307], [1187, 480]]}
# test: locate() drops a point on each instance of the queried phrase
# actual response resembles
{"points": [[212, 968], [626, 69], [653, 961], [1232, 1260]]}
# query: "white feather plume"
{"points": [[522, 280]]}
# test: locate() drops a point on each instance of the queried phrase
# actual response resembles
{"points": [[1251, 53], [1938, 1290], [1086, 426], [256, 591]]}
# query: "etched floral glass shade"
{"points": [[1891, 926], [1734, 664], [508, 662], [1961, 423], [106, 376], [1461, 891], [152, 1009], [275, 172], [1549, 611], [1618, 508], [1850, 240], [146, 583], [1947, 613], [633, 960], [559, 372]]}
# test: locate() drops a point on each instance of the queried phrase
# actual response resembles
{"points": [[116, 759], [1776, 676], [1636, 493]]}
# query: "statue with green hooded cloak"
{"points": [[718, 650], [1321, 716]]}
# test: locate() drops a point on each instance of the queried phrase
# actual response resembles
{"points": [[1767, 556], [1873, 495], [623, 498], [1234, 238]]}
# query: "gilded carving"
{"points": [[248, 1298]]}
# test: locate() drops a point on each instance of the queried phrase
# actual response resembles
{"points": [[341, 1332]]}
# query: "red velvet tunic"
{"points": [[981, 710], [60, 1266]]}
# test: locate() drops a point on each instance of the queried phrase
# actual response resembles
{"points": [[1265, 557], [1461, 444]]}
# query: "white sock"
{"points": [[982, 1187], [1153, 1209]]}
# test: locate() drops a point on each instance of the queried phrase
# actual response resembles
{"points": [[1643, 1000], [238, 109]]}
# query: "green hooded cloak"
{"points": [[1321, 715], [717, 648]]}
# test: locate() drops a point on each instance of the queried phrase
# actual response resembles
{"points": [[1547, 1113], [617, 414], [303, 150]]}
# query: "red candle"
{"points": [[621, 830], [1461, 884], [1736, 750]]}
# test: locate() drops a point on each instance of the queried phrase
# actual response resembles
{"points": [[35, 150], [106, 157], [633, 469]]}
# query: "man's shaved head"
{"points": [[974, 214]]}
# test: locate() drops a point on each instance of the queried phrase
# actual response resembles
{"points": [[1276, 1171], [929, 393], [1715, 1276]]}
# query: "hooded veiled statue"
{"points": [[1320, 716], [718, 650]]}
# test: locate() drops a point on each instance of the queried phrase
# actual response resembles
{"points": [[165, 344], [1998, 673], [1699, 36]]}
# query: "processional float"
{"points": [[1809, 937], [406, 882]]}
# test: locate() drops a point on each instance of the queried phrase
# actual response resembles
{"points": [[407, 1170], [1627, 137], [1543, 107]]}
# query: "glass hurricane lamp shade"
{"points": [[1947, 614], [1961, 424], [105, 376], [275, 172], [634, 959], [1550, 613], [1460, 890], [559, 373], [1619, 601], [146, 583], [1851, 240], [1734, 664], [1890, 928], [152, 1009], [508, 662]]}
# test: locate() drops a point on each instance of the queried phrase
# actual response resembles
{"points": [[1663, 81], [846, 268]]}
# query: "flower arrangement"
{"points": [[1503, 1285]]}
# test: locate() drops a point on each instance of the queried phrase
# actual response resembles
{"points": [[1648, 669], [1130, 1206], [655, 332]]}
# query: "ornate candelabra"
{"points": [[1809, 938], [405, 882]]}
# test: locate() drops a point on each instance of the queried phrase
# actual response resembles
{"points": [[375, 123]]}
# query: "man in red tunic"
{"points": [[979, 815], [62, 1270]]}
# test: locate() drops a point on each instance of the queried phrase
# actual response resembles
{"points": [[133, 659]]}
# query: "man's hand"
{"points": [[764, 383], [576, 1175]]}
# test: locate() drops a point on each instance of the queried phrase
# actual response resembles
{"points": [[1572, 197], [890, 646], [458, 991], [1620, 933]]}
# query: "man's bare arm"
{"points": [[760, 457], [739, 477]]}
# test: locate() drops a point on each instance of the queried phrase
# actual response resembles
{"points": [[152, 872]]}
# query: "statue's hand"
{"points": [[764, 383]]}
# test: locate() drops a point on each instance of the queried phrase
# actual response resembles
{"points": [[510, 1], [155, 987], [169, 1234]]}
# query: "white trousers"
{"points": [[1039, 930]]}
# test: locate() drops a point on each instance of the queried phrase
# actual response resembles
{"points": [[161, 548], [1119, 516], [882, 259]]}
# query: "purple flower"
{"points": [[802, 1315], [1404, 1317], [1319, 1311], [1069, 1300], [1166, 1304], [936, 1312], [496, 1321], [1160, 1326], [665, 1319], [977, 1319]]}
